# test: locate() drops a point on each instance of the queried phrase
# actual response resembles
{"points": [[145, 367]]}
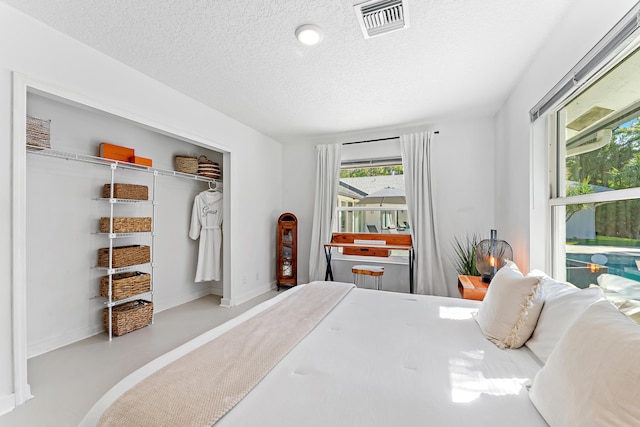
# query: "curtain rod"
{"points": [[376, 140]]}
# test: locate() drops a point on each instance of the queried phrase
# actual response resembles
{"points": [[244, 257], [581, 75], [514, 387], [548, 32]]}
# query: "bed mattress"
{"points": [[381, 359]]}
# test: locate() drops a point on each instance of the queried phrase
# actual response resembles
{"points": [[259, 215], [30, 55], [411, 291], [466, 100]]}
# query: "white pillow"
{"points": [[563, 303], [623, 286], [510, 309], [592, 376], [552, 287], [630, 308]]}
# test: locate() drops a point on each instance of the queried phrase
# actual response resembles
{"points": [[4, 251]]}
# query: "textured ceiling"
{"points": [[241, 57]]}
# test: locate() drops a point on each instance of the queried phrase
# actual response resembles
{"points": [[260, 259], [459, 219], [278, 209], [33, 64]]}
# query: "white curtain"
{"points": [[416, 161], [327, 178]]}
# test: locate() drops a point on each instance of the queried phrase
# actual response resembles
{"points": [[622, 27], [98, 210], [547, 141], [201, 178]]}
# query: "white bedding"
{"points": [[382, 359]]}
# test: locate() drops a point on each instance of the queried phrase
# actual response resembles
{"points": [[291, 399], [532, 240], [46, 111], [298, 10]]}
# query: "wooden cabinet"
{"points": [[472, 287], [287, 247]]}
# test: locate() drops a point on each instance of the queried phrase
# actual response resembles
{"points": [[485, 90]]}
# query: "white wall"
{"points": [[62, 222], [254, 185], [521, 205], [463, 188]]}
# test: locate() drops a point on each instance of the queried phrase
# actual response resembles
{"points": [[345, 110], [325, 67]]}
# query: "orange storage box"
{"points": [[116, 152], [141, 161]]}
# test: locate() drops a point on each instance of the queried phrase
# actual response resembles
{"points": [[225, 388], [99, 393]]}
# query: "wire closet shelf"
{"points": [[123, 165]]}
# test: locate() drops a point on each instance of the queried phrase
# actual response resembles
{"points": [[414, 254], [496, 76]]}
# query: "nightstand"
{"points": [[472, 287]]}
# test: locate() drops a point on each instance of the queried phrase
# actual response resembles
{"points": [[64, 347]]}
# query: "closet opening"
{"points": [[56, 215]]}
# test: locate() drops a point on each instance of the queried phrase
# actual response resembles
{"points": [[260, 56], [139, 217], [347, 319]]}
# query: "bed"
{"points": [[374, 359]]}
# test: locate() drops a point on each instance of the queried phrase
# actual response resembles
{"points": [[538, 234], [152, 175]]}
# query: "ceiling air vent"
{"points": [[378, 17]]}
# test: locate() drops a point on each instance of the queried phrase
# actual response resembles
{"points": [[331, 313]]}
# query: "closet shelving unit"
{"points": [[111, 271], [115, 165]]}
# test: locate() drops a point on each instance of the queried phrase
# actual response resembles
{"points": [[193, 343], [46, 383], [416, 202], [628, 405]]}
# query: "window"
{"points": [[371, 198], [595, 203]]}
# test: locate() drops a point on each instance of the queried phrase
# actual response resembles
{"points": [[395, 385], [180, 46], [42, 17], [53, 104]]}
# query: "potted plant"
{"points": [[465, 254]]}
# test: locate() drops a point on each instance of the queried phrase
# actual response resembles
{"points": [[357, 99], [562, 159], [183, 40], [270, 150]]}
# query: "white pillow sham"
{"points": [[591, 378], [563, 303], [510, 309]]}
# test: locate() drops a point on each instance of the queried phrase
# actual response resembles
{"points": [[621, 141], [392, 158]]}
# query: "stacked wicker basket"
{"points": [[208, 168], [125, 285], [186, 164], [135, 314], [198, 166], [38, 132], [124, 256], [126, 224], [126, 191], [129, 316]]}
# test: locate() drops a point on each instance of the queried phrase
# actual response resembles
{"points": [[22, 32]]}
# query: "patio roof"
{"points": [[371, 184]]}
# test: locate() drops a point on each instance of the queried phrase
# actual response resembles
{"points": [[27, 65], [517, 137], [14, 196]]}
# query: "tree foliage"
{"points": [[612, 165], [575, 190], [373, 171], [615, 166]]}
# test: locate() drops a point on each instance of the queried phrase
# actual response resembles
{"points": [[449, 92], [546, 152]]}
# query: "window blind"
{"points": [[612, 43]]}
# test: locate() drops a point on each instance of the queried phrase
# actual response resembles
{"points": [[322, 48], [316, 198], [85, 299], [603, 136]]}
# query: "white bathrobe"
{"points": [[206, 219]]}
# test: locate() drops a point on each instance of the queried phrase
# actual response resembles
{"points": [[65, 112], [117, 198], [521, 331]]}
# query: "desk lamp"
{"points": [[491, 255]]}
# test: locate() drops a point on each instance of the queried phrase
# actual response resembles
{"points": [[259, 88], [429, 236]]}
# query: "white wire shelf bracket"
{"points": [[122, 235], [108, 162], [124, 269], [126, 201], [113, 303]]}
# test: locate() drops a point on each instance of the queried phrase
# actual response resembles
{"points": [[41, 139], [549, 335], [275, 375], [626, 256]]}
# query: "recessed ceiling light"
{"points": [[309, 34]]}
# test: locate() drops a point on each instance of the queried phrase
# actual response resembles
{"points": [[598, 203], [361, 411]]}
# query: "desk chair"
{"points": [[361, 271]]}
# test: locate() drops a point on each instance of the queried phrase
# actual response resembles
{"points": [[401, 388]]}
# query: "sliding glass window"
{"points": [[595, 203]]}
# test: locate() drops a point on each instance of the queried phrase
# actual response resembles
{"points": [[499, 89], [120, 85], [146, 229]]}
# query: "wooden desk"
{"points": [[472, 287], [347, 241]]}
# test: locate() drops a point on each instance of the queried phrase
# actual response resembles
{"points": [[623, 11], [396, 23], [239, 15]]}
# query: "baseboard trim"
{"points": [[182, 299], [73, 336], [69, 337], [232, 302], [7, 403], [217, 289]]}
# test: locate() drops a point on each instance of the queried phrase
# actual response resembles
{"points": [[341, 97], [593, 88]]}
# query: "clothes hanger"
{"points": [[215, 188]]}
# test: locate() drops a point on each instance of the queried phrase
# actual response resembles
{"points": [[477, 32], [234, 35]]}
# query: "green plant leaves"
{"points": [[465, 254]]}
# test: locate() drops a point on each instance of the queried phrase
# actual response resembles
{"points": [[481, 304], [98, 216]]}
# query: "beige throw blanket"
{"points": [[199, 388]]}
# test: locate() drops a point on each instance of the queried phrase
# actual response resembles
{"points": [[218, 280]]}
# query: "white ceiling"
{"points": [[459, 57]]}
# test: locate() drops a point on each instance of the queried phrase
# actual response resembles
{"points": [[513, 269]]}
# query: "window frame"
{"points": [[361, 164], [557, 199]]}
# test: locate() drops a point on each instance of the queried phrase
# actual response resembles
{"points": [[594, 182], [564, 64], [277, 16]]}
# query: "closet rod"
{"points": [[85, 158], [379, 139]]}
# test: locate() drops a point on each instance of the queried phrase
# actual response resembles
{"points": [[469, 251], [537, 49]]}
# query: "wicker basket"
{"points": [[125, 285], [38, 132], [208, 168], [126, 191], [128, 317], [124, 256], [126, 224], [186, 164]]}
